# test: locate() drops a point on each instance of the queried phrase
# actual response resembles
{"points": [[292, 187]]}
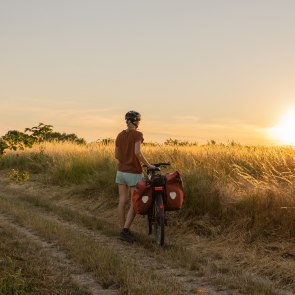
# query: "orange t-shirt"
{"points": [[125, 144]]}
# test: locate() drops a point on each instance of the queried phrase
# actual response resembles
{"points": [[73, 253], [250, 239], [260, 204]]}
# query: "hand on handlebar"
{"points": [[156, 166], [151, 167]]}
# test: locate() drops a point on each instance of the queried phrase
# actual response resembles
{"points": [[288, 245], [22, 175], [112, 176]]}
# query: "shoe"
{"points": [[126, 236]]}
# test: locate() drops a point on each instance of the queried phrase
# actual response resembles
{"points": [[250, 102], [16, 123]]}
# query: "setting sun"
{"points": [[284, 131]]}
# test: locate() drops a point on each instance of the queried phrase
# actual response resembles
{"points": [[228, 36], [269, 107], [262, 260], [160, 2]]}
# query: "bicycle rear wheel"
{"points": [[159, 222]]}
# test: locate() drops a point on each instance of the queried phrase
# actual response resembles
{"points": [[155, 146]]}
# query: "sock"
{"points": [[125, 230]]}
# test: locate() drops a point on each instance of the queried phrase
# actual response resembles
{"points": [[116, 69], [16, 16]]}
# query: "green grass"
{"points": [[12, 281]]}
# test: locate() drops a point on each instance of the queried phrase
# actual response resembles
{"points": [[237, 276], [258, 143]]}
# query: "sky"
{"points": [[196, 70]]}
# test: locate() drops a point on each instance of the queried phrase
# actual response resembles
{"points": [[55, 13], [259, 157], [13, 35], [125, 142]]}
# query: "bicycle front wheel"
{"points": [[150, 222], [159, 223]]}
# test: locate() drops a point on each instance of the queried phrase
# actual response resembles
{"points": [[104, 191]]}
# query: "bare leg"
{"points": [[131, 213], [123, 201]]}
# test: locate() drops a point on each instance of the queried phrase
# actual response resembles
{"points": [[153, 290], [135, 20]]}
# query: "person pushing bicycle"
{"points": [[129, 171]]}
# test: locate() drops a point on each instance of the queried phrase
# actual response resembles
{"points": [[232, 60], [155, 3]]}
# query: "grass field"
{"points": [[236, 228], [251, 187]]}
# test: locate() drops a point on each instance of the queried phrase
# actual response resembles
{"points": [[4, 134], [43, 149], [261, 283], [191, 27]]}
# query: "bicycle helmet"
{"points": [[132, 116]]}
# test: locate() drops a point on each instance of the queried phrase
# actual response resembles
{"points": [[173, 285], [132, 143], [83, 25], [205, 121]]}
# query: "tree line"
{"points": [[14, 140]]}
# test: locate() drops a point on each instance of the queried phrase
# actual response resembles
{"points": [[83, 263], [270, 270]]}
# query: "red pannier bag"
{"points": [[142, 197], [174, 191]]}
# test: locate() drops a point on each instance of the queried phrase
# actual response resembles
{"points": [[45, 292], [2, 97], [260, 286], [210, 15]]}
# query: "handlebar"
{"points": [[157, 165], [161, 164]]}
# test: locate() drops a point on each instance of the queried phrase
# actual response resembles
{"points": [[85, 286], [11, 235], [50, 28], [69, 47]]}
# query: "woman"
{"points": [[129, 172]]}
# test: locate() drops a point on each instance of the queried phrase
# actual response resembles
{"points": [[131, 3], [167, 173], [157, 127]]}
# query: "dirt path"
{"points": [[189, 280], [158, 262], [79, 277]]}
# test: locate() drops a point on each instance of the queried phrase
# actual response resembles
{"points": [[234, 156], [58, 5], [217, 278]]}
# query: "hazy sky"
{"points": [[196, 70]]}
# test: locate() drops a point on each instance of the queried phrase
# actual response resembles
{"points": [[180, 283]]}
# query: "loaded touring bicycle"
{"points": [[155, 195]]}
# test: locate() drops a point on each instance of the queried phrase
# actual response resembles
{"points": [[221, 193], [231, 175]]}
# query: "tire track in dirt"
{"points": [[79, 277], [192, 282]]}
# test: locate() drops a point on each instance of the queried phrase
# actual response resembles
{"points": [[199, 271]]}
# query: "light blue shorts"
{"points": [[129, 179]]}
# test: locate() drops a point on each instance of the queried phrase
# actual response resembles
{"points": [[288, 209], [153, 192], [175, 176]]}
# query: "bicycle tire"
{"points": [[159, 222], [150, 222]]}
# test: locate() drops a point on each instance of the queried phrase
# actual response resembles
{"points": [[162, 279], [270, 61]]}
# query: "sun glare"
{"points": [[284, 132]]}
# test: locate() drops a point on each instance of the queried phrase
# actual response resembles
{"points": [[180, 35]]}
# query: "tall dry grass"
{"points": [[249, 188]]}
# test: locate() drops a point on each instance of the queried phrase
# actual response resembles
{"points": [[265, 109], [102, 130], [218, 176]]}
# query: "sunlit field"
{"points": [[245, 188]]}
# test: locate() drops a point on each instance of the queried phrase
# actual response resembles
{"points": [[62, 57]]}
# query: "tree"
{"points": [[14, 139], [56, 136], [40, 132], [3, 147]]}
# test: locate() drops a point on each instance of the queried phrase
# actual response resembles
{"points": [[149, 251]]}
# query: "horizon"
{"points": [[163, 141]]}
